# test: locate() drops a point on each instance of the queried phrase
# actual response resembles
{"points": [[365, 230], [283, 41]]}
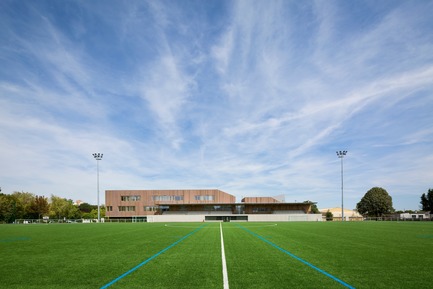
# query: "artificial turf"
{"points": [[188, 255]]}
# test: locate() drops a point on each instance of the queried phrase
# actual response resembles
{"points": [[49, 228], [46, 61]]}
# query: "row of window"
{"points": [[204, 198], [218, 208], [156, 208], [130, 198], [167, 198], [258, 210], [132, 208], [155, 198], [126, 208]]}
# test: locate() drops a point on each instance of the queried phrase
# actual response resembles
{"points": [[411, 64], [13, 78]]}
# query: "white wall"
{"points": [[175, 218], [251, 218]]}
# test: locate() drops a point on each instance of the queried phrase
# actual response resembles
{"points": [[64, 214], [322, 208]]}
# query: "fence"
{"points": [[54, 221], [398, 219]]}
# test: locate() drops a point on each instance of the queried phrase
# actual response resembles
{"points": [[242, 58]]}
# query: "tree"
{"points": [[39, 207], [9, 206], [86, 207], [314, 209], [25, 201], [329, 216], [94, 213], [62, 208], [427, 201], [376, 202], [102, 210]]}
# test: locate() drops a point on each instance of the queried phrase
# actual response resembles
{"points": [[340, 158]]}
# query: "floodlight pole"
{"points": [[341, 155], [98, 157]]}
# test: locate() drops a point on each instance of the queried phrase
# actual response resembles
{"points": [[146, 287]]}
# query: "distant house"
{"points": [[78, 202], [416, 216]]}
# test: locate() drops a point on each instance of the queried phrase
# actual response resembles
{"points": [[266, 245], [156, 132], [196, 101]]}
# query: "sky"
{"points": [[250, 97]]}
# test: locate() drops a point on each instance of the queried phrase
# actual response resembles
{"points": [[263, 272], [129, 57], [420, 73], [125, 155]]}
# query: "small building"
{"points": [[349, 215], [416, 216]]}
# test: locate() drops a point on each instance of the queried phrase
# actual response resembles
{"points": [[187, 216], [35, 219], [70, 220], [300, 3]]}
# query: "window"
{"points": [[150, 209], [164, 208], [130, 198], [217, 208], [261, 210], [109, 208], [167, 198], [126, 208], [204, 198]]}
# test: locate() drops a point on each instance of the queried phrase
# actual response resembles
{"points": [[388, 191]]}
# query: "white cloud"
{"points": [[251, 99], [167, 90]]}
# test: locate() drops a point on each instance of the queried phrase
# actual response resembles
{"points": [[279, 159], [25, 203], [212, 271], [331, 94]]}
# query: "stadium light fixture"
{"points": [[341, 154], [98, 157]]}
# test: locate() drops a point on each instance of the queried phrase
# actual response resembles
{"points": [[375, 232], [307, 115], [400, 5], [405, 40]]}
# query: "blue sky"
{"points": [[250, 97]]}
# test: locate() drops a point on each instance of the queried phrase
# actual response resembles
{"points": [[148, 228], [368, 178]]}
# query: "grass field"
{"points": [[188, 255]]}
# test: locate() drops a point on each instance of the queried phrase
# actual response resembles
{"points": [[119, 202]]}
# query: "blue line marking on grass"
{"points": [[14, 239], [425, 236], [297, 258], [149, 259]]}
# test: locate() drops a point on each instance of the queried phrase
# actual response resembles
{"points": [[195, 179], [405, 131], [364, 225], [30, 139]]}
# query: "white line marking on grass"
{"points": [[223, 257]]}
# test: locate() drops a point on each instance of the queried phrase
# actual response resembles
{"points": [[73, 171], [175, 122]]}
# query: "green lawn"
{"points": [[188, 255]]}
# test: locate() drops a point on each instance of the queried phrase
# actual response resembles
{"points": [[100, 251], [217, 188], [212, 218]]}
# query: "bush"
{"points": [[329, 216]]}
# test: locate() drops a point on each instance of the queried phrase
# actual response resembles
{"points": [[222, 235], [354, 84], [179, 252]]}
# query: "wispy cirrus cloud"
{"points": [[166, 91], [253, 99]]}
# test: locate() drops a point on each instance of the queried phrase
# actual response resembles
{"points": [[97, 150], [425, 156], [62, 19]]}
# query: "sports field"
{"points": [[190, 255]]}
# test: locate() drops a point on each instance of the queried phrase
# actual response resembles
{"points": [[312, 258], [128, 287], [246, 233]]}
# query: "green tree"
{"points": [[90, 215], [86, 207], [376, 202], [329, 216], [427, 201], [94, 213], [9, 208], [102, 210], [61, 208], [314, 209], [56, 207], [25, 201], [39, 207]]}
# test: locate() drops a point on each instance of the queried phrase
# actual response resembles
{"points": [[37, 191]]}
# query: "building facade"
{"points": [[416, 216], [199, 205], [128, 203]]}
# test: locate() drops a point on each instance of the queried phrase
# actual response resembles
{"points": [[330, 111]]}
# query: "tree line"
{"points": [[24, 205]]}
